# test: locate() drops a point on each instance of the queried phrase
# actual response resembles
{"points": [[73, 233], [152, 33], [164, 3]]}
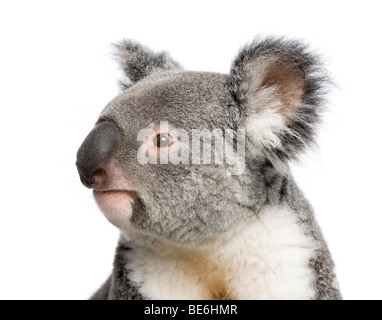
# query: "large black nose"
{"points": [[95, 153]]}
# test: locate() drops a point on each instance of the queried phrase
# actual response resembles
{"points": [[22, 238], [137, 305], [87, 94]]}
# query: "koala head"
{"points": [[268, 105]]}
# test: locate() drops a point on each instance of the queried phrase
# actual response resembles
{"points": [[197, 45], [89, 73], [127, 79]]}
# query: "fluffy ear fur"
{"points": [[280, 87], [137, 61]]}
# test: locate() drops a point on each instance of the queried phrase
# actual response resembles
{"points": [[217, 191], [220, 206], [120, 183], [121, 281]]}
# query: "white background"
{"points": [[56, 75]]}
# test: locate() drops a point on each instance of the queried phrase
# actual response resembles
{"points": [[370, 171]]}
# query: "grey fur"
{"points": [[190, 204]]}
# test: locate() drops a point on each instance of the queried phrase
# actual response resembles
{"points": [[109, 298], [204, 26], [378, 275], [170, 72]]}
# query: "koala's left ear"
{"points": [[138, 61], [279, 87]]}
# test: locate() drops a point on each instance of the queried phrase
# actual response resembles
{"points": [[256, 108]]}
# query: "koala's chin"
{"points": [[117, 206]]}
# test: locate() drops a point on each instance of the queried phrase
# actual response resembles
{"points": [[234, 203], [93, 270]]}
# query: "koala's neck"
{"points": [[266, 257], [279, 187], [264, 185]]}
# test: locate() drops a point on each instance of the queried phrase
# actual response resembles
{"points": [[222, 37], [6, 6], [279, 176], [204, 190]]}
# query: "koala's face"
{"points": [[177, 201], [184, 199]]}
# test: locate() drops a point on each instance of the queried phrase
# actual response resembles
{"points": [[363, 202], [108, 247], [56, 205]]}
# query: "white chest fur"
{"points": [[266, 258]]}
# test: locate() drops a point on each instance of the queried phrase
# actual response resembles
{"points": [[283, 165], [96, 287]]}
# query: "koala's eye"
{"points": [[162, 140]]}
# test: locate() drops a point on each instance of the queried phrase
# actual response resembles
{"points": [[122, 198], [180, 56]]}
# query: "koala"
{"points": [[211, 230]]}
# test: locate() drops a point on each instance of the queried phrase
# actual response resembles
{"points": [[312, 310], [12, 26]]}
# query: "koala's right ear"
{"points": [[137, 61]]}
